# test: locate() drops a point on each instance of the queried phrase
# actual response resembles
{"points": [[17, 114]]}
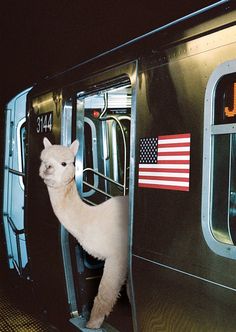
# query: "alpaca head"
{"points": [[57, 163]]}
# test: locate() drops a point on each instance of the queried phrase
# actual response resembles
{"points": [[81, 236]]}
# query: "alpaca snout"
{"points": [[45, 169], [48, 169], [48, 166]]}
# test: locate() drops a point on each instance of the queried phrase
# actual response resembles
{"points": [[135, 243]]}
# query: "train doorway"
{"points": [[103, 114]]}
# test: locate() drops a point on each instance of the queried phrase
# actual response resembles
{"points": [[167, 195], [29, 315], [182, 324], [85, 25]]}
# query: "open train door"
{"points": [[14, 186], [104, 122]]}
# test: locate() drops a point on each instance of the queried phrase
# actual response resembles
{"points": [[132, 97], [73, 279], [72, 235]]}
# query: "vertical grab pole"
{"points": [[105, 118]]}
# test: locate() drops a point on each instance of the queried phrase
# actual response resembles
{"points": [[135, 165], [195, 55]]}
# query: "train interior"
{"points": [[105, 140]]}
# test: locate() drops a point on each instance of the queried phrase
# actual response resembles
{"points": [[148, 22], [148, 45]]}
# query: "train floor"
{"points": [[13, 318], [19, 311]]}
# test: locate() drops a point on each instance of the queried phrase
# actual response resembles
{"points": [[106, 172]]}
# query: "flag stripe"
{"points": [[160, 166], [164, 178], [174, 149], [178, 136], [173, 153], [146, 185], [164, 182], [173, 140], [173, 145], [173, 157], [167, 161], [165, 174], [163, 170]]}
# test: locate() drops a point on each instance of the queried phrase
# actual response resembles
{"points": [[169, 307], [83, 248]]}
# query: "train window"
{"points": [[219, 162], [21, 147], [106, 125], [225, 107]]}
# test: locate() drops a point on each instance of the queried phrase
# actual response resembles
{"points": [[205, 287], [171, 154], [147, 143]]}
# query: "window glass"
{"points": [[232, 192], [220, 192], [23, 145], [224, 163], [21, 150], [225, 101], [219, 162]]}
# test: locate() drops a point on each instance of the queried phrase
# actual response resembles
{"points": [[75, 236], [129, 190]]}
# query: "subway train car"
{"points": [[156, 120]]}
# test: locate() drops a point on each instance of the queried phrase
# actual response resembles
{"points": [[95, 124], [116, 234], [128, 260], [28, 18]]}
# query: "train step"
{"points": [[80, 323]]}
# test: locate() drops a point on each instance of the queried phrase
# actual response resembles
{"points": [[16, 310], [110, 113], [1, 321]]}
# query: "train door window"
{"points": [[106, 116], [21, 139], [219, 162]]}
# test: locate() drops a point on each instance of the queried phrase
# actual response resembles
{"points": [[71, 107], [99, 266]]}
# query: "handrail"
{"points": [[17, 233], [17, 267], [103, 176], [97, 189], [13, 226], [14, 171], [88, 201]]}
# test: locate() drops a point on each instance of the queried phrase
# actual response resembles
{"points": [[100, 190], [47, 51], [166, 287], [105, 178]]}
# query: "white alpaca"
{"points": [[101, 230]]}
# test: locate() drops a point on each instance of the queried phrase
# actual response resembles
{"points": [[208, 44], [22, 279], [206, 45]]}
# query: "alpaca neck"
{"points": [[65, 201], [64, 195]]}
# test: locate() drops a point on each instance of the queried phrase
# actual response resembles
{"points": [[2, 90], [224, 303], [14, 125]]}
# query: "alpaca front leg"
{"points": [[97, 315], [114, 275]]}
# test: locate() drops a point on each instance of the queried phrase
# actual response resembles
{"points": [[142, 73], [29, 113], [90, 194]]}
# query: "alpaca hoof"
{"points": [[94, 324]]}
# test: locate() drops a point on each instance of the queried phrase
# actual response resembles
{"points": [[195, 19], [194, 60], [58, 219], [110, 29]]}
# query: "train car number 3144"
{"points": [[44, 123]]}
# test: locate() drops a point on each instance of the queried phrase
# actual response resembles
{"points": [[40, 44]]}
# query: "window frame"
{"points": [[210, 130]]}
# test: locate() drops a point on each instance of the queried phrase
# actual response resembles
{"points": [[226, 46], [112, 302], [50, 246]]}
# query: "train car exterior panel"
{"points": [[173, 300], [174, 94]]}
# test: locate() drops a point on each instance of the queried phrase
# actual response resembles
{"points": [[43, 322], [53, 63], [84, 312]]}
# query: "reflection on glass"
{"points": [[220, 188], [225, 103], [232, 197], [224, 189]]}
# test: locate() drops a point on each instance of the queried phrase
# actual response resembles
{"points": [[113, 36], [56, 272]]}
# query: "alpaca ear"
{"points": [[46, 142], [74, 147]]}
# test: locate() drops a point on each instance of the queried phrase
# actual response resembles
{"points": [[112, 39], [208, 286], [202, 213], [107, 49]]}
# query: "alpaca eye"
{"points": [[64, 164]]}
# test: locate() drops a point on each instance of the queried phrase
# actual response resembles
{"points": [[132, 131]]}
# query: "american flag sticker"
{"points": [[165, 162]]}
